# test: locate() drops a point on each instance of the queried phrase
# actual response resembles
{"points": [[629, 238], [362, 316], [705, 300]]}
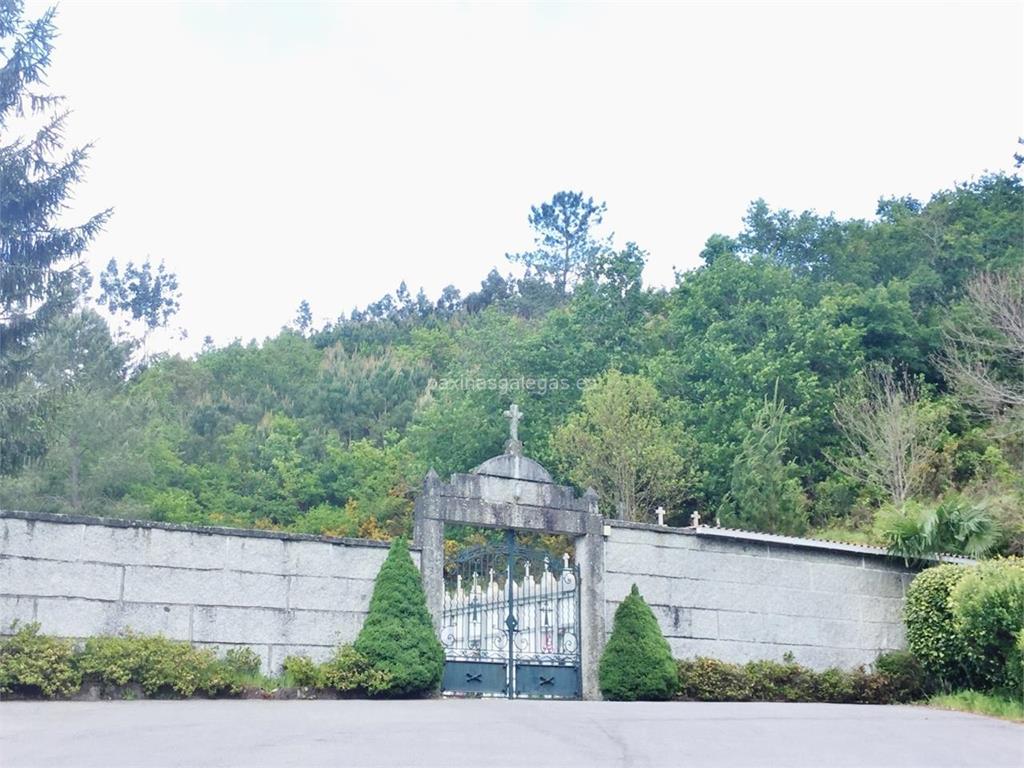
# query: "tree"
{"points": [[619, 443], [40, 270], [765, 493], [141, 294], [398, 637], [637, 663], [889, 433], [984, 348], [304, 317], [566, 245], [41, 275]]}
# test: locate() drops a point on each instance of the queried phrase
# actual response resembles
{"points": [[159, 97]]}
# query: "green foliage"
{"points": [[707, 679], [954, 525], [163, 666], [350, 670], [765, 493], [988, 612], [34, 663], [637, 662], [242, 661], [906, 672], [932, 635], [304, 672], [896, 678], [331, 431], [347, 671], [398, 638], [620, 443]]}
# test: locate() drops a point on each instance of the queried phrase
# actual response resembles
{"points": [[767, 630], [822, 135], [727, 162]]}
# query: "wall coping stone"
{"points": [[118, 522], [773, 538]]}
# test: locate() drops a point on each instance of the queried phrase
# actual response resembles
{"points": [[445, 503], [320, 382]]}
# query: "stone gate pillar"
{"points": [[590, 557]]}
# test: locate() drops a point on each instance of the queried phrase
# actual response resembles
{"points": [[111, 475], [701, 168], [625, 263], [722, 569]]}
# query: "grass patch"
{"points": [[981, 704]]}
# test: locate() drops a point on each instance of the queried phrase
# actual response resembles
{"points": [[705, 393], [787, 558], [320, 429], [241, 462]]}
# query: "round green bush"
{"points": [[637, 662], [988, 609], [398, 637], [931, 629]]}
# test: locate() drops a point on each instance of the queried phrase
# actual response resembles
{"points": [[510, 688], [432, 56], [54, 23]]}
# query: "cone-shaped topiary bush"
{"points": [[637, 663], [398, 638]]}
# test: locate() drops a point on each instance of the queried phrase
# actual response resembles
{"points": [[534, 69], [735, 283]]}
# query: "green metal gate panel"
{"points": [[475, 677], [544, 680]]}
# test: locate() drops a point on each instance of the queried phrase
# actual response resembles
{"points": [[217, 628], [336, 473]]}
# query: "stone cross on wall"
{"points": [[513, 414]]}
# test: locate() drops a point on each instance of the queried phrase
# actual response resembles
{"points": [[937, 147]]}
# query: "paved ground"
{"points": [[493, 734]]}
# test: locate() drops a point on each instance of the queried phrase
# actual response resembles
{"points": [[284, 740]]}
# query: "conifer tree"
{"points": [[398, 636], [41, 276], [637, 662]]}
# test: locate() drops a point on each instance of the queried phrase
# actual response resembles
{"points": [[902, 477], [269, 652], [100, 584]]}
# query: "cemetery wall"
{"points": [[277, 593], [740, 596]]}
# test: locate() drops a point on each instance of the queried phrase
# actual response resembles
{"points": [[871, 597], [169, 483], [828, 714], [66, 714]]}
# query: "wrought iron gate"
{"points": [[510, 624]]}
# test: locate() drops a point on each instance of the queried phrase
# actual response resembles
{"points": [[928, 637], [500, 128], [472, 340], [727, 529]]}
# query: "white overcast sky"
{"points": [[273, 153]]}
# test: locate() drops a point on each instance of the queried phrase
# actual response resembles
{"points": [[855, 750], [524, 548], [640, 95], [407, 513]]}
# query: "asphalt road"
{"points": [[493, 734]]}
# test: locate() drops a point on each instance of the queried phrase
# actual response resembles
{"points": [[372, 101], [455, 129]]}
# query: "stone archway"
{"points": [[514, 492]]}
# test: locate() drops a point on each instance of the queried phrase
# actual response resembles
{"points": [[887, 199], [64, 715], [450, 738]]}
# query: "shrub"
{"points": [[931, 630], [988, 609], [906, 675], [158, 664], [347, 671], [398, 639], [243, 662], [705, 679], [637, 662], [304, 672], [34, 663], [350, 670], [774, 681]]}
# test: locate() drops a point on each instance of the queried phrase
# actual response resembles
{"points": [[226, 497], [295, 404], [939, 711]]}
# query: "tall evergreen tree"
{"points": [[765, 494], [41, 275]]}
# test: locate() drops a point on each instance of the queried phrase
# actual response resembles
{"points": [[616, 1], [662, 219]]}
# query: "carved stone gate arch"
{"points": [[514, 492]]}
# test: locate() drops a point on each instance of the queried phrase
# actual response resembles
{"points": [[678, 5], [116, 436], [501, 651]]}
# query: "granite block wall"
{"points": [[740, 597], [279, 594]]}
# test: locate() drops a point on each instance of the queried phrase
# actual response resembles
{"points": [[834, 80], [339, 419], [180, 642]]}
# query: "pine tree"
{"points": [[765, 493], [637, 662], [398, 637], [41, 276]]}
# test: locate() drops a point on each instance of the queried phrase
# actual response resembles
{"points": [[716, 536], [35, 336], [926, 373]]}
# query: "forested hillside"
{"points": [[812, 374]]}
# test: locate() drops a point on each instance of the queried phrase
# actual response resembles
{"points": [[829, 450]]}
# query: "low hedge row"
{"points": [[897, 677], [35, 664]]}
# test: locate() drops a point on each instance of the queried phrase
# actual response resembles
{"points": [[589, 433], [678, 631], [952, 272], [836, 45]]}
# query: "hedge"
{"points": [[932, 635], [897, 677], [964, 623], [34, 664], [988, 610]]}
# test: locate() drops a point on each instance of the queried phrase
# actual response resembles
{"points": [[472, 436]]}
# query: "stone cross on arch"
{"points": [[513, 414]]}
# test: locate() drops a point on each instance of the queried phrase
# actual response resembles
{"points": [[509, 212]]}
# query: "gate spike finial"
{"points": [[565, 560]]}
